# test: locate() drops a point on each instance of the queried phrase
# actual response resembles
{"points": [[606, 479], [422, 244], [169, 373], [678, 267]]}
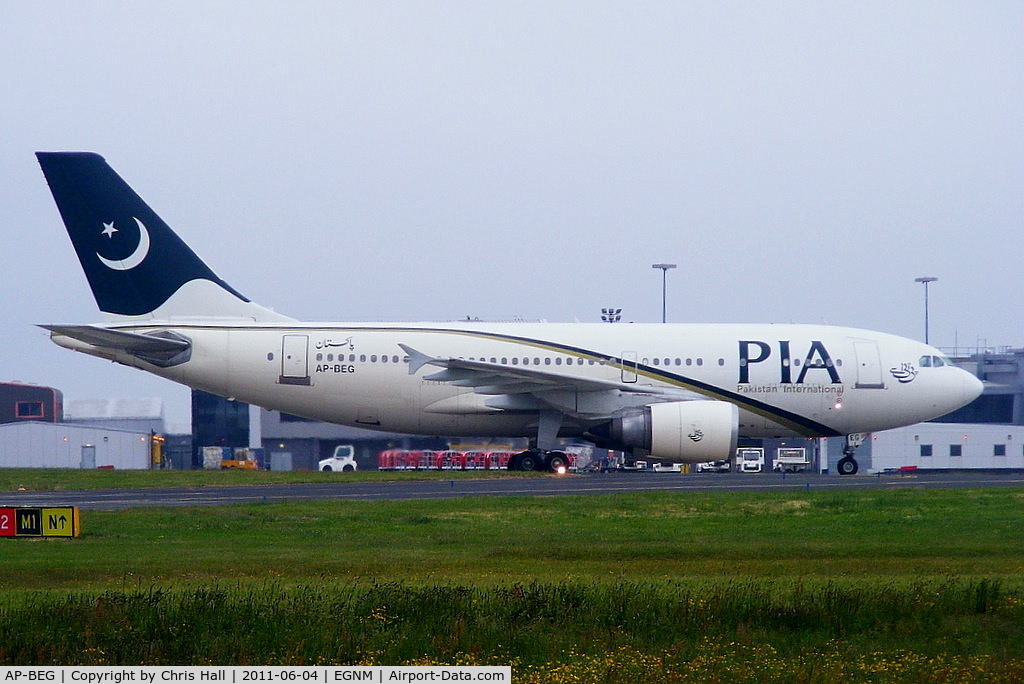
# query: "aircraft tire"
{"points": [[528, 461], [847, 466], [557, 460]]}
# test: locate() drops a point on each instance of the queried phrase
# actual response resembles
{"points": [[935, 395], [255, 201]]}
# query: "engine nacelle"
{"points": [[682, 431]]}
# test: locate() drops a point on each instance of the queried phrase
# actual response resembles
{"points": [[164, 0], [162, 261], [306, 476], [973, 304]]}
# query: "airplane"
{"points": [[675, 392]]}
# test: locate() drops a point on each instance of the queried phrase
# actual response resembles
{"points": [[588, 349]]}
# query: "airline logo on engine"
{"points": [[776, 363]]}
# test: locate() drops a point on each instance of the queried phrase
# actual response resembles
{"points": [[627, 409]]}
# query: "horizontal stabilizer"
{"points": [[161, 348]]}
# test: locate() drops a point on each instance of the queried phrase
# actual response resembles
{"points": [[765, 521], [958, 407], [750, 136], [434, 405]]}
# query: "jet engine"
{"points": [[686, 431]]}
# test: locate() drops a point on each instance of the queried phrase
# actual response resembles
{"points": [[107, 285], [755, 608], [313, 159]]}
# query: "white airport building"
{"points": [[64, 445], [945, 446]]}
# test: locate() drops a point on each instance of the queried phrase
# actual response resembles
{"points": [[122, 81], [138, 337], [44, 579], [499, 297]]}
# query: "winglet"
{"points": [[417, 359]]}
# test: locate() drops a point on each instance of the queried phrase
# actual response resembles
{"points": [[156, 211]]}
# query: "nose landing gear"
{"points": [[847, 465]]}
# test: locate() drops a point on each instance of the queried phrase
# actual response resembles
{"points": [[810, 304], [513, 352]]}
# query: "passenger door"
{"points": [[295, 360]]}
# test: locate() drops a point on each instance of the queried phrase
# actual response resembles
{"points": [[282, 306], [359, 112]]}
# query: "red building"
{"points": [[30, 402]]}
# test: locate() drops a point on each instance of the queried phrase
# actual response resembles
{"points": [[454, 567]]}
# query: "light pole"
{"points": [[664, 273], [925, 280]]}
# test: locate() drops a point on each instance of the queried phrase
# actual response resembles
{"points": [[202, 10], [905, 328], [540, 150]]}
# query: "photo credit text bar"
{"points": [[146, 674]]}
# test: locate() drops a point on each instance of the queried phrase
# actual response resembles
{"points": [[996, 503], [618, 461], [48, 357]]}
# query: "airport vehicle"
{"points": [[750, 460], [680, 393], [722, 466], [343, 459], [791, 460], [631, 466], [226, 458], [241, 461]]}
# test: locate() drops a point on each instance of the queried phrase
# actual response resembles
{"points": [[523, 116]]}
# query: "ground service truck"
{"points": [[343, 460]]}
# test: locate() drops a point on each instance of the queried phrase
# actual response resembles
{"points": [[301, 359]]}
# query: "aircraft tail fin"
{"points": [[136, 265]]}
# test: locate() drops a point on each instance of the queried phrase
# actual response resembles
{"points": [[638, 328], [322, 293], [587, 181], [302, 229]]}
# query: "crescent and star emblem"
{"points": [[133, 259]]}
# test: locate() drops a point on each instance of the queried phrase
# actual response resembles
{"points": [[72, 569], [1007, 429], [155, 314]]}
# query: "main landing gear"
{"points": [[539, 460], [847, 465]]}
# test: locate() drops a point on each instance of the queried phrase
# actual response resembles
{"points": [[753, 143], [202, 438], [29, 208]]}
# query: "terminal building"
{"points": [[39, 428]]}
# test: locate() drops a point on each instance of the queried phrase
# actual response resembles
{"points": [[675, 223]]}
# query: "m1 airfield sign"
{"points": [[39, 522]]}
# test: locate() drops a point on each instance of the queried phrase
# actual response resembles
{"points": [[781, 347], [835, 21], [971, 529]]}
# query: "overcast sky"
{"points": [[800, 161]]}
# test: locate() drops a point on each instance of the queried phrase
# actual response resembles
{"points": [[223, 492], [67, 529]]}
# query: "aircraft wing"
{"points": [[161, 348], [502, 388]]}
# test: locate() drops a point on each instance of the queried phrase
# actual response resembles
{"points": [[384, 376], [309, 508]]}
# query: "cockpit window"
{"points": [[932, 362], [925, 362]]}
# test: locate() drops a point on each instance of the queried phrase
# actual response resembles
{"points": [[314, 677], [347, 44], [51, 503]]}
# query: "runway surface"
{"points": [[595, 483]]}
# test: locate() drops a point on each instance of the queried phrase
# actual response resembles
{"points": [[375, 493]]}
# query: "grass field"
{"points": [[907, 585]]}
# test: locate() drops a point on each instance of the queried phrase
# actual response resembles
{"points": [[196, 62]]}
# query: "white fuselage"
{"points": [[787, 380]]}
